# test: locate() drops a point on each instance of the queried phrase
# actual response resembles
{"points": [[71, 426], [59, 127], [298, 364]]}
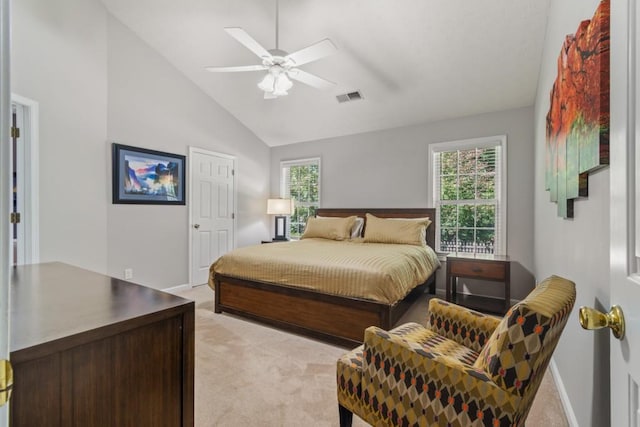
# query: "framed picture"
{"points": [[142, 176]]}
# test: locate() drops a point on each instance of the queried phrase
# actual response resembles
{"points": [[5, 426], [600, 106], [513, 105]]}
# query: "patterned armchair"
{"points": [[463, 369]]}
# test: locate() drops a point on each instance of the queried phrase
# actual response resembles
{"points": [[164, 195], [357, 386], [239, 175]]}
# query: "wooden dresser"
{"points": [[91, 350]]}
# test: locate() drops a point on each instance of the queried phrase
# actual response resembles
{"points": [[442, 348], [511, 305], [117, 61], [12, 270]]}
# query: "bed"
{"points": [[327, 315]]}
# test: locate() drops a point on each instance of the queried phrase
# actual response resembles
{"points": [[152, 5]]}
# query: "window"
{"points": [[469, 194], [300, 180]]}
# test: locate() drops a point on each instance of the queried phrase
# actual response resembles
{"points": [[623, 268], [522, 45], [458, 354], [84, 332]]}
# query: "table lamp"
{"points": [[280, 208]]}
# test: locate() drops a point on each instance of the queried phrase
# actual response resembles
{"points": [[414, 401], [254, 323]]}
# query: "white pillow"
{"points": [[356, 231]]}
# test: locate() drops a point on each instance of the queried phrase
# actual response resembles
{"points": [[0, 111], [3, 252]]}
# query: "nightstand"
{"points": [[495, 268], [274, 241]]}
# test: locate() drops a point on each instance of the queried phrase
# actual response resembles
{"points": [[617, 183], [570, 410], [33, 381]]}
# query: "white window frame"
{"points": [[300, 162], [501, 184]]}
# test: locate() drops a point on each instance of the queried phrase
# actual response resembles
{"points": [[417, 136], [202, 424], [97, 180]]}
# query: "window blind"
{"points": [[469, 198]]}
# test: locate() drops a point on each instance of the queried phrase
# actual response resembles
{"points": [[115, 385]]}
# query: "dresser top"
{"points": [[54, 301]]}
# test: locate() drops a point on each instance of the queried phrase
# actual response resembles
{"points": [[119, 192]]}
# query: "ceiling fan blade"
{"points": [[249, 42], [236, 69], [311, 53], [310, 79]]}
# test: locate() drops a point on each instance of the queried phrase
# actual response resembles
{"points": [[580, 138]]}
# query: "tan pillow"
{"points": [[329, 228], [356, 231], [409, 231]]}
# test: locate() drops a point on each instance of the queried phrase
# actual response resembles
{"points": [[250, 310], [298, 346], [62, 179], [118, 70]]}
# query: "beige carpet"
{"points": [[250, 374]]}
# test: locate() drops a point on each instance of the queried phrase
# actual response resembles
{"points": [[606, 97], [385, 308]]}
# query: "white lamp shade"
{"points": [[267, 83], [279, 206], [282, 85], [276, 82]]}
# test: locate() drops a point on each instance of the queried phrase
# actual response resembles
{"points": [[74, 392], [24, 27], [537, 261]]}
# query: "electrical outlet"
{"points": [[128, 273]]}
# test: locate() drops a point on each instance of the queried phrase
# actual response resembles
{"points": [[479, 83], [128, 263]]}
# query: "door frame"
{"points": [[5, 187], [31, 175], [193, 150]]}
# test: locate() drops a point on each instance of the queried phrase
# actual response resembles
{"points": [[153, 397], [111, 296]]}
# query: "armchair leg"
{"points": [[346, 416]]}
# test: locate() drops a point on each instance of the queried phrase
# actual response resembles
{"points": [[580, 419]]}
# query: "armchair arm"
{"points": [[467, 327], [404, 384]]}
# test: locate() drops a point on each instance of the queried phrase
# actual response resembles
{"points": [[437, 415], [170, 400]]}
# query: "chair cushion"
{"points": [[438, 345]]}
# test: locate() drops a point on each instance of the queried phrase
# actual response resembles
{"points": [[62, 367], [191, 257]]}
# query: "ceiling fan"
{"points": [[280, 65]]}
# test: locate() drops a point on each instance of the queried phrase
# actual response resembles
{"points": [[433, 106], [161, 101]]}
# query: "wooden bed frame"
{"points": [[337, 319]]}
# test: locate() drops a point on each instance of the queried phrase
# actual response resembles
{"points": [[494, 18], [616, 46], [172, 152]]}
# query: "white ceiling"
{"points": [[414, 61]]}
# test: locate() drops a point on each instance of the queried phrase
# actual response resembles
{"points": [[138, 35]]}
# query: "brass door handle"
{"points": [[590, 318]]}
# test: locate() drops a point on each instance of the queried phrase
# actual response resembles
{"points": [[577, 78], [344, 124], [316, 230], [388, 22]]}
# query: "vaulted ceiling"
{"points": [[414, 61]]}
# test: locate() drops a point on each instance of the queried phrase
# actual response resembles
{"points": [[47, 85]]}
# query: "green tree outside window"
{"points": [[467, 200], [301, 182]]}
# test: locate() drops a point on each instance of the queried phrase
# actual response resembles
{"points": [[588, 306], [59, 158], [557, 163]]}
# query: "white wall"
{"points": [[97, 83], [389, 169], [575, 248], [152, 105], [59, 59]]}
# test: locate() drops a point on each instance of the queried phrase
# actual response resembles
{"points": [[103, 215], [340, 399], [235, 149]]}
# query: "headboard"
{"points": [[388, 213]]}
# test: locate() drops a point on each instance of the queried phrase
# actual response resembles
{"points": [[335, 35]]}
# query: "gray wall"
{"points": [[577, 248], [152, 105], [98, 83], [389, 169], [59, 59]]}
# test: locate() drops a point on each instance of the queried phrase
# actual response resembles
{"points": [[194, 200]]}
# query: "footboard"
{"points": [[336, 319]]}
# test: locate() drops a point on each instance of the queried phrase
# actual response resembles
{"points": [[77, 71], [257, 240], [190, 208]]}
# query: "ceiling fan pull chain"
{"points": [[277, 24]]}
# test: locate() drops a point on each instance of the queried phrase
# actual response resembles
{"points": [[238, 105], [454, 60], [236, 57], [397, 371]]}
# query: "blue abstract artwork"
{"points": [[143, 176]]}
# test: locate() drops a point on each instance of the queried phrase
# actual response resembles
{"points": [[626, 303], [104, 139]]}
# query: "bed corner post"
{"points": [[216, 296]]}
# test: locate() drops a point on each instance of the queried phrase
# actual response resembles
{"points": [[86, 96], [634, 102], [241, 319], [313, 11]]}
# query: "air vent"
{"points": [[351, 96]]}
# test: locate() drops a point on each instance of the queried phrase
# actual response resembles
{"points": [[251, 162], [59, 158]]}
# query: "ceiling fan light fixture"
{"points": [[276, 82], [267, 84], [282, 85]]}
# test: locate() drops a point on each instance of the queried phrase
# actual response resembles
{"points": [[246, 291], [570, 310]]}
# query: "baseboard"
{"points": [[564, 397], [178, 288]]}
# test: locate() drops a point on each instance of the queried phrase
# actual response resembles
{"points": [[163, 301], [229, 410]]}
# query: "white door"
{"points": [[212, 207], [625, 211], [5, 186]]}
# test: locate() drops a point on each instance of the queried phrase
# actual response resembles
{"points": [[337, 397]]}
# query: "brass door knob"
{"points": [[590, 318]]}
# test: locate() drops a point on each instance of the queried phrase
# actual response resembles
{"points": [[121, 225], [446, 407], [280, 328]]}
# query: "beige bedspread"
{"points": [[375, 271]]}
